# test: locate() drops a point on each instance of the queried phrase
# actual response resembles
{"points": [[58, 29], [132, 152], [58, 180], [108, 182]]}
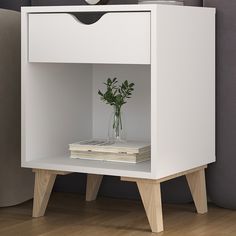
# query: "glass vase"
{"points": [[116, 131]]}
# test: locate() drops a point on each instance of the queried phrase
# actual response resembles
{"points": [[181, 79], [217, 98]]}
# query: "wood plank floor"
{"points": [[69, 214]]}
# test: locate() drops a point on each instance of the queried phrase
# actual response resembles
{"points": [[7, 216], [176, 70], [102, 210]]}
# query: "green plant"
{"points": [[117, 95]]}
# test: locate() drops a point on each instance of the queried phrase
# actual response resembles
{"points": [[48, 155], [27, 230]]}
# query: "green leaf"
{"points": [[109, 81], [100, 93], [116, 94]]}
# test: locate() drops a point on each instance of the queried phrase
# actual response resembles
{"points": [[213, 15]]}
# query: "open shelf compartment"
{"points": [[62, 106]]}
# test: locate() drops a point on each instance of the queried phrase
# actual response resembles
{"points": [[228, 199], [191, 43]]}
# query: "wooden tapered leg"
{"points": [[197, 185], [150, 191], [44, 181], [93, 185], [151, 197]]}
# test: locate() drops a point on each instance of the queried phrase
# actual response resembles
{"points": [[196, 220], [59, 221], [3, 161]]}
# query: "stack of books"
{"points": [[129, 152]]}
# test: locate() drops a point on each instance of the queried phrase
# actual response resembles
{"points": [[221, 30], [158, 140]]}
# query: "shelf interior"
{"points": [[61, 106], [142, 169]]}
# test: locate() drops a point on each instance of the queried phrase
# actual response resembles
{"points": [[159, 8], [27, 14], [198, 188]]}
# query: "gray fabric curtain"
{"points": [[16, 184], [14, 4], [221, 176], [193, 2]]}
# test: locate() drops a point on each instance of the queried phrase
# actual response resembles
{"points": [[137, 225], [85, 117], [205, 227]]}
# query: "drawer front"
{"points": [[117, 37]]}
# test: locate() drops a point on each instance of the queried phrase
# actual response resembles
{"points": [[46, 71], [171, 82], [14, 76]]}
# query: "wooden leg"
{"points": [[151, 196], [197, 185], [93, 185], [150, 191], [44, 181]]}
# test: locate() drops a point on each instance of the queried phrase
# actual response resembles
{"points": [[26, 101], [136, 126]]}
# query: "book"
{"points": [[130, 152]]}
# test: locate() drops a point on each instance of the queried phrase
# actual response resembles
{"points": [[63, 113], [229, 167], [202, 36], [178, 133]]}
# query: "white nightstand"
{"points": [[167, 51]]}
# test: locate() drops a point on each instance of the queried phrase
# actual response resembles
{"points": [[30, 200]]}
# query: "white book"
{"points": [[128, 147], [129, 152]]}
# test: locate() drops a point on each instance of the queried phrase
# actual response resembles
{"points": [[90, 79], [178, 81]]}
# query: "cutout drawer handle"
{"points": [[88, 18]]}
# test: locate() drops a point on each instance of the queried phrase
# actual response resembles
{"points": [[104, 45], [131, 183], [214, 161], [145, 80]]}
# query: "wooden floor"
{"points": [[69, 214]]}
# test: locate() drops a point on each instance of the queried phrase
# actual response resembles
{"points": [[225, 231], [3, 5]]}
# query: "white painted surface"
{"points": [[182, 97], [117, 37], [57, 108], [141, 169], [185, 89], [96, 8]]}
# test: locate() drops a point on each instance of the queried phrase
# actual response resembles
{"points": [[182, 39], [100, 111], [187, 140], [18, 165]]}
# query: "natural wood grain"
{"points": [[149, 190], [93, 185], [165, 178], [44, 181], [69, 215], [151, 197], [197, 185], [57, 172]]}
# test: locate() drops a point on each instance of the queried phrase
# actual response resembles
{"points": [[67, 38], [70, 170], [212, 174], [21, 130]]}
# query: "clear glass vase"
{"points": [[116, 131]]}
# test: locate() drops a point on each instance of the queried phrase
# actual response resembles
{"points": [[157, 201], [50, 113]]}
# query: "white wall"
{"points": [[137, 111]]}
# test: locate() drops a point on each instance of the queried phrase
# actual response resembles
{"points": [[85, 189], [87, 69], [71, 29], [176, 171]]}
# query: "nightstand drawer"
{"points": [[117, 37]]}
